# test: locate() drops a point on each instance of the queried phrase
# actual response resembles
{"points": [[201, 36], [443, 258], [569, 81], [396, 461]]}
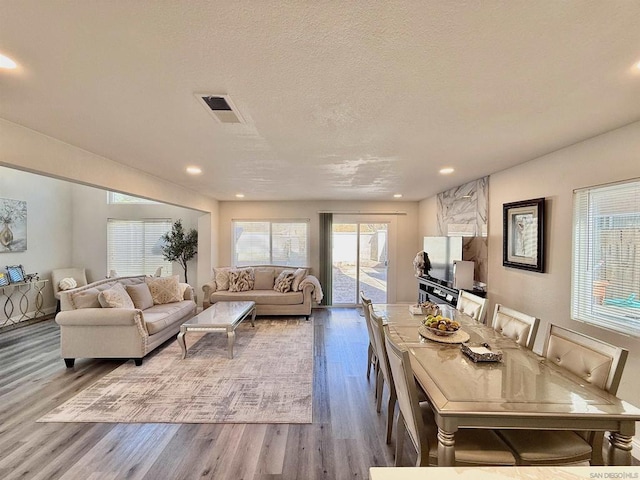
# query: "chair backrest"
{"points": [[408, 403], [366, 302], [593, 360], [516, 325], [78, 274], [381, 350], [472, 305]]}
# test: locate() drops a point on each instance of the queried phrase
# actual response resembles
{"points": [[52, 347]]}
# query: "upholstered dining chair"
{"points": [[473, 447], [372, 356], [57, 274], [383, 366], [472, 305], [516, 325], [596, 362]]}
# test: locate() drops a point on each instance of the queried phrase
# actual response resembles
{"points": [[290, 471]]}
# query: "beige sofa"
{"points": [[87, 330], [268, 301]]}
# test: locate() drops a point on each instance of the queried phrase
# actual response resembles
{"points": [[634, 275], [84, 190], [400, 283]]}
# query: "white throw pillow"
{"points": [[115, 297], [298, 276], [67, 283]]}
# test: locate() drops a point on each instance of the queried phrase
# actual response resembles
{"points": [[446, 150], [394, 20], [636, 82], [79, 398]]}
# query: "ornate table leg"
{"points": [[446, 449], [231, 338], [253, 316], [182, 343], [619, 450]]}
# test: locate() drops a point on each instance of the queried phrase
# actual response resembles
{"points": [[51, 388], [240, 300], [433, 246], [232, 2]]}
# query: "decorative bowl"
{"points": [[441, 333]]}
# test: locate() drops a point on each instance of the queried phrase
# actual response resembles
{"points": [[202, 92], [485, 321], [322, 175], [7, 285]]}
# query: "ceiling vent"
{"points": [[220, 107]]}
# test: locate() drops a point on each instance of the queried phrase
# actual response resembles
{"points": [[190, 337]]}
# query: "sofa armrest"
{"points": [[208, 289], [189, 293], [100, 317]]}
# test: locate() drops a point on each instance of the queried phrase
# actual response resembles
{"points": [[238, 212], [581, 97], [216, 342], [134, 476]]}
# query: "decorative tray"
{"points": [[481, 353]]}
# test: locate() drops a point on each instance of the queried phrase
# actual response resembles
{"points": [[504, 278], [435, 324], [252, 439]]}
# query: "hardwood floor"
{"points": [[346, 437]]}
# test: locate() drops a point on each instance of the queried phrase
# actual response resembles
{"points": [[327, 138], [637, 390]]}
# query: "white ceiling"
{"points": [[344, 99]]}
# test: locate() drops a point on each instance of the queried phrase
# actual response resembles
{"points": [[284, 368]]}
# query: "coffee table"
{"points": [[219, 317]]}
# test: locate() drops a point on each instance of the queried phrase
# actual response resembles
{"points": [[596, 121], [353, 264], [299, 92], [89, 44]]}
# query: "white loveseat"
{"points": [[88, 330], [299, 301]]}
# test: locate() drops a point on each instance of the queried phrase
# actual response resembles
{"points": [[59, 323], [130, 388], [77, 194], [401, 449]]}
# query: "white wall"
{"points": [[403, 243], [49, 223]]}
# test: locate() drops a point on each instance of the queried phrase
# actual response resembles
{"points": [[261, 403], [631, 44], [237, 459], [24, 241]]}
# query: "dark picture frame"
{"points": [[15, 273], [523, 235]]}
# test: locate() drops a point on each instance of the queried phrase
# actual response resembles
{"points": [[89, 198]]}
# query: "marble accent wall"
{"points": [[462, 211]]}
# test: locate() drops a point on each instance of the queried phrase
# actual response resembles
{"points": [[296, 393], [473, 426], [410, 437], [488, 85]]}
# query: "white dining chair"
{"points": [[372, 357], [596, 362], [518, 326], [472, 305], [473, 447], [383, 366]]}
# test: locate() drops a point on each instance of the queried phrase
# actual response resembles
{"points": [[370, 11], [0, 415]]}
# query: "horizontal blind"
{"points": [[281, 242], [134, 247], [606, 257]]}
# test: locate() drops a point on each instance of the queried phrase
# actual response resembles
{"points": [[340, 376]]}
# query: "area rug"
{"points": [[269, 380]]}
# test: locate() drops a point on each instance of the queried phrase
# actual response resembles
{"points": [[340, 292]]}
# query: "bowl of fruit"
{"points": [[441, 326]]}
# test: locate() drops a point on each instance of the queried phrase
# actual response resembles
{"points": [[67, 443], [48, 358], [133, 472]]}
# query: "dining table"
{"points": [[521, 391]]}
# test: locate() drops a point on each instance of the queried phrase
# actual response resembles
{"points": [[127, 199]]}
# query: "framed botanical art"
{"points": [[523, 235]]}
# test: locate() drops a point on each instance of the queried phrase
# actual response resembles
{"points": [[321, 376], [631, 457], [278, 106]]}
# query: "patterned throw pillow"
{"points": [[115, 297], [241, 280], [221, 276], [164, 289], [67, 283], [284, 281], [298, 276]]}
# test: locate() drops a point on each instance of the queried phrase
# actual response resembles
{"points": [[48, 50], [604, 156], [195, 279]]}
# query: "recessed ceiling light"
{"points": [[446, 171], [194, 170], [397, 195], [6, 62], [239, 195], [637, 65]]}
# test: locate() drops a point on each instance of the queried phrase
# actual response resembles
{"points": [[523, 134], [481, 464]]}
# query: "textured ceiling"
{"points": [[343, 100]]}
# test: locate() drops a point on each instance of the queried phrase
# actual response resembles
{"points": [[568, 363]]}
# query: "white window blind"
{"points": [[134, 246], [606, 257], [281, 242]]}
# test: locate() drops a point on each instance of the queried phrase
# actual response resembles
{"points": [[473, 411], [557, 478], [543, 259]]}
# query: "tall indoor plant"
{"points": [[180, 246]]}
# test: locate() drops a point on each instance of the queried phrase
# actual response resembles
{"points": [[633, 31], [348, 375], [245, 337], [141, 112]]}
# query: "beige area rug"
{"points": [[269, 380]]}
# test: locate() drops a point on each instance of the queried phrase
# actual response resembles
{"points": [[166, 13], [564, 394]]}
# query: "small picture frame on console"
{"points": [[4, 279], [16, 274]]}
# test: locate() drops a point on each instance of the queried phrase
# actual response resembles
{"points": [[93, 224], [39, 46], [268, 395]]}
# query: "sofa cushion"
{"points": [[115, 297], [298, 276], [261, 297], [265, 278], [164, 289], [140, 295], [241, 280], [284, 281], [159, 317], [221, 276]]}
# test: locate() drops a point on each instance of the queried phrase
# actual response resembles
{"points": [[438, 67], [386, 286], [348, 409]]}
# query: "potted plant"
{"points": [[180, 246]]}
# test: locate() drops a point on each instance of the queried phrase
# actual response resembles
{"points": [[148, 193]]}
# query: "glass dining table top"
{"points": [[522, 384]]}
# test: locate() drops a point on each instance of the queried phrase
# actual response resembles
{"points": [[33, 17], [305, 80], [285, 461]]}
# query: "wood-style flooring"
{"points": [[346, 437]]}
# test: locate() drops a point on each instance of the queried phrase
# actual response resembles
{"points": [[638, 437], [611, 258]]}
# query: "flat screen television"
{"points": [[442, 252]]}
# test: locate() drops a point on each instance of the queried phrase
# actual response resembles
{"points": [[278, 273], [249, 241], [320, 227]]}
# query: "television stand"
{"points": [[438, 291]]}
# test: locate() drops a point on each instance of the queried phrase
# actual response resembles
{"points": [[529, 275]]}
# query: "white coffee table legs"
{"points": [[182, 343]]}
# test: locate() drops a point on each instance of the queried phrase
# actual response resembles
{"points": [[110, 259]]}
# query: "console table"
{"points": [[22, 301], [438, 291]]}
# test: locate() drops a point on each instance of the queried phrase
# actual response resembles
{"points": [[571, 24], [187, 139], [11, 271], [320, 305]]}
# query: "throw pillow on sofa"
{"points": [[298, 276], [264, 278], [241, 280], [284, 281], [67, 283], [164, 289], [221, 276], [140, 295], [115, 297]]}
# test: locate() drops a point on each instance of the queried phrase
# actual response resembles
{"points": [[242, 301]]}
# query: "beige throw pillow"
{"points": [[140, 295], [264, 278], [164, 289], [241, 280], [115, 297], [298, 276], [221, 276], [284, 281]]}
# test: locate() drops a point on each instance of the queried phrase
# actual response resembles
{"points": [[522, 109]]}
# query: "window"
{"points": [[606, 257], [121, 198], [281, 242], [134, 246]]}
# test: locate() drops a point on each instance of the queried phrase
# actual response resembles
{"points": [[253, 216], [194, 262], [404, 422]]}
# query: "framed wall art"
{"points": [[523, 235], [13, 225]]}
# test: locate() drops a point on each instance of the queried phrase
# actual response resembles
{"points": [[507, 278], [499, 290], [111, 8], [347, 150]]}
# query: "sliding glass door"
{"points": [[360, 262]]}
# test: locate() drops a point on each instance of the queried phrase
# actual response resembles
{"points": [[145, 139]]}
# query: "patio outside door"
{"points": [[360, 262]]}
